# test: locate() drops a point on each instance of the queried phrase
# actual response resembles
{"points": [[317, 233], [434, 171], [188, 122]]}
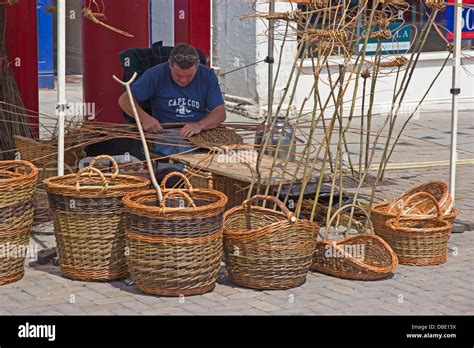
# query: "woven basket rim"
{"points": [[378, 209], [127, 182], [32, 175], [237, 234], [441, 229], [347, 256], [150, 195]]}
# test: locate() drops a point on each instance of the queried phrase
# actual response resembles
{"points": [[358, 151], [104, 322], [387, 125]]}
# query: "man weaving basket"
{"points": [[180, 91]]}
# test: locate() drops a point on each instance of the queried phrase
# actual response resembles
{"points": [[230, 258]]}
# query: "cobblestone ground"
{"points": [[437, 290]]}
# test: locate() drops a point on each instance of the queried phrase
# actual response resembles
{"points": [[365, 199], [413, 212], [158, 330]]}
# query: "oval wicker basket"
{"points": [[18, 181], [360, 257], [175, 246], [423, 206], [419, 242], [266, 249], [417, 209], [89, 221]]}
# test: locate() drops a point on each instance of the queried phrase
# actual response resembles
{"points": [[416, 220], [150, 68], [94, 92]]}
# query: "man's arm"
{"points": [[149, 123], [212, 120]]}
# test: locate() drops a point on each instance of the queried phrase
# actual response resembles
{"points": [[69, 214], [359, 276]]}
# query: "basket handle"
{"points": [[111, 160], [182, 193], [284, 209], [340, 210], [189, 187], [414, 197], [91, 170]]}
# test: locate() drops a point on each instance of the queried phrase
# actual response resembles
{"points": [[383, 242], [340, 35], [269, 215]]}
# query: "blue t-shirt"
{"points": [[171, 103]]}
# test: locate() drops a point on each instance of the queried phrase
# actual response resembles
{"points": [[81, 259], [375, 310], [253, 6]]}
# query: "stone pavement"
{"points": [[438, 290]]}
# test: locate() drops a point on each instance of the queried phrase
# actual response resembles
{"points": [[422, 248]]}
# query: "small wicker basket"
{"points": [[266, 249], [360, 257], [17, 186], [175, 246], [420, 241], [89, 221]]}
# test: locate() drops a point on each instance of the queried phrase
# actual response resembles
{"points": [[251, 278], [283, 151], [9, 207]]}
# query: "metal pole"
{"points": [[455, 91], [62, 104], [271, 45]]}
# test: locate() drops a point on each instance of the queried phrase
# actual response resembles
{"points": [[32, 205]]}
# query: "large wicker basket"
{"points": [[360, 257], [266, 249], [17, 186], [419, 241], [175, 246], [89, 221]]}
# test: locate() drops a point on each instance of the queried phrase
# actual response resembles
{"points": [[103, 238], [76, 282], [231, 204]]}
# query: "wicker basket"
{"points": [[17, 186], [419, 242], [42, 152], [42, 211], [175, 248], [439, 190], [360, 257], [382, 212], [89, 221], [266, 249]]}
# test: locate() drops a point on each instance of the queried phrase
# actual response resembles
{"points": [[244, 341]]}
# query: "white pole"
{"points": [[455, 91], [211, 53], [271, 45], [62, 104]]}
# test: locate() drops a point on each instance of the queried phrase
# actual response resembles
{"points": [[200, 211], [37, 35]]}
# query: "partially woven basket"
{"points": [[266, 249], [360, 257], [419, 241], [89, 221], [217, 138], [175, 246], [17, 186]]}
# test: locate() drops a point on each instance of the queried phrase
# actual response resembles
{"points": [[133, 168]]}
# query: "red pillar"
{"points": [[101, 47], [22, 48], [193, 23]]}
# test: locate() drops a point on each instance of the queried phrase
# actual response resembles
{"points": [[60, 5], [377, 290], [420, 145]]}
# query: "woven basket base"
{"points": [[352, 276], [93, 276], [263, 284], [429, 261], [11, 279], [177, 292]]}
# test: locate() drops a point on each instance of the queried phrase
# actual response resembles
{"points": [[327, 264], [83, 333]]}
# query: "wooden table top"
{"points": [[240, 165]]}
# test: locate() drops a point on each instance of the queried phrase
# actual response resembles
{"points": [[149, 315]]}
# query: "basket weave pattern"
{"points": [[419, 242], [266, 249], [360, 257], [17, 186], [89, 222], [175, 249]]}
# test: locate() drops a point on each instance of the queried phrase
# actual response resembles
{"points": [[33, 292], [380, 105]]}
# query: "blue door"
{"points": [[45, 46]]}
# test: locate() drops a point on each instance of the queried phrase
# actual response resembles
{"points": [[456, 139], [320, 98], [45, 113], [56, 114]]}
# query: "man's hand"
{"points": [[190, 129], [151, 124]]}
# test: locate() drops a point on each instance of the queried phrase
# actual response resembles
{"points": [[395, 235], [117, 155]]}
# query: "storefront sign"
{"points": [[399, 43], [467, 20]]}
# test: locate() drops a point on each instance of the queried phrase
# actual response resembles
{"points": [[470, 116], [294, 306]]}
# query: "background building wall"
{"points": [[162, 21]]}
